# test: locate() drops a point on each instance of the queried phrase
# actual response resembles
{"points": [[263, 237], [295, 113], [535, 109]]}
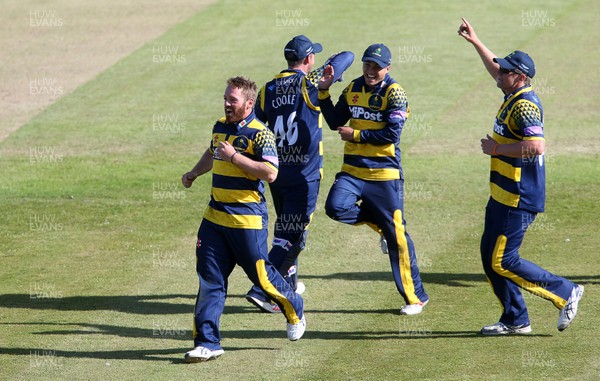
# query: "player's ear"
{"points": [[307, 59]]}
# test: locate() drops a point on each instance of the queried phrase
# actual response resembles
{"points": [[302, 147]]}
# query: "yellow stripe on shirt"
{"points": [[238, 221], [225, 168], [235, 195], [372, 174], [504, 197], [506, 169], [369, 150]]}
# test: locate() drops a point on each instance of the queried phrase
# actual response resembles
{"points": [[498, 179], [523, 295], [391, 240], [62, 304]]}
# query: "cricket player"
{"points": [[234, 229], [518, 193], [369, 188], [289, 105]]}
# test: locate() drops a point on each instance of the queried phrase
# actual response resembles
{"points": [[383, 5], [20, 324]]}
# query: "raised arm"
{"points": [[466, 31]]}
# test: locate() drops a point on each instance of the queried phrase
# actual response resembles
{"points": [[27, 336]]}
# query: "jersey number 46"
{"points": [[286, 135]]}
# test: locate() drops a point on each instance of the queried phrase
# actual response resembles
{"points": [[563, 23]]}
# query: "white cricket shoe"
{"points": [[568, 312], [201, 353], [383, 245], [295, 331], [503, 329], [413, 309]]}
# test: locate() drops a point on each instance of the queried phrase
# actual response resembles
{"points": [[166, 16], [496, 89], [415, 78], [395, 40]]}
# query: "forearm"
{"points": [[523, 149], [335, 116], [388, 135], [204, 165], [487, 57], [258, 169]]}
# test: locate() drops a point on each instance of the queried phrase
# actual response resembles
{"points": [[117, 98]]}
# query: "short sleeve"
{"points": [[397, 105], [527, 118], [265, 148]]}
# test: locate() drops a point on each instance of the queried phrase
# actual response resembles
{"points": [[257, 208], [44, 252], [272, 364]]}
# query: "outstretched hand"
{"points": [[326, 79], [466, 31]]}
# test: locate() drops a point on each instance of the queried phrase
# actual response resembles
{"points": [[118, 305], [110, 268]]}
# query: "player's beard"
{"points": [[235, 115]]}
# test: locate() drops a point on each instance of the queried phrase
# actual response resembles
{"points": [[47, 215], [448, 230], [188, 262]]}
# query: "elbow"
{"points": [[539, 147], [270, 177], [532, 148]]}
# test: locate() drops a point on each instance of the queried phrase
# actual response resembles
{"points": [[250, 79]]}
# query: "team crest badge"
{"points": [[375, 102], [241, 144]]}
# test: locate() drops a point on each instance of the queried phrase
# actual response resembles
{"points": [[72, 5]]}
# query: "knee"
{"points": [[330, 209], [333, 209]]}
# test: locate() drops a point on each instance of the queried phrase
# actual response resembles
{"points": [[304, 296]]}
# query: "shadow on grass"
{"points": [[410, 331], [41, 357], [134, 304], [446, 279]]}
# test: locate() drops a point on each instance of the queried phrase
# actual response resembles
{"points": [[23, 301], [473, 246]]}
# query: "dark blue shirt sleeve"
{"points": [[395, 115], [337, 115]]}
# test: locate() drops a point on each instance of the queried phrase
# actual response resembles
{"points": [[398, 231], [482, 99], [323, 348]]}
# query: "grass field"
{"points": [[97, 235]]}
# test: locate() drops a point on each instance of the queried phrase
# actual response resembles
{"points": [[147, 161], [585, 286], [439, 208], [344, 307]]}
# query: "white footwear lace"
{"points": [[295, 331], [413, 309], [201, 353], [503, 329], [568, 312]]}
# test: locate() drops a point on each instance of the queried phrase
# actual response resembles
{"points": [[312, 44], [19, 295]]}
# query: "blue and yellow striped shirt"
{"points": [[377, 118], [237, 198], [519, 182]]}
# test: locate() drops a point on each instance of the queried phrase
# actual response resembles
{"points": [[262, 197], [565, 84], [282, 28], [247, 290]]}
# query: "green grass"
{"points": [[97, 265]]}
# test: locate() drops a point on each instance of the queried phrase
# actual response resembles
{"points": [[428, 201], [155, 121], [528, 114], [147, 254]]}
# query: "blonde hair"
{"points": [[247, 87]]}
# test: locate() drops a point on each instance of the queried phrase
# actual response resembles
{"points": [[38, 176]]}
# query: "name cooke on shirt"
{"points": [[283, 100]]}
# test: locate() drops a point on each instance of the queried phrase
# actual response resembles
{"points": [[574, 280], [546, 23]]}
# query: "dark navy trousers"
{"points": [[381, 205], [506, 271], [218, 250]]}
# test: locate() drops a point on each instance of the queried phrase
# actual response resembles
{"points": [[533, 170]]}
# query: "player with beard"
{"points": [[242, 155]]}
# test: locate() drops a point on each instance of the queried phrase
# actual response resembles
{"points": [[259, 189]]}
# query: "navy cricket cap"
{"points": [[517, 61], [300, 47], [378, 53]]}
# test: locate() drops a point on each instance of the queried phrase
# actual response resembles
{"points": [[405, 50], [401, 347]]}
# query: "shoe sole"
{"points": [[520, 331], [579, 296], [194, 360], [414, 313], [263, 306]]}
